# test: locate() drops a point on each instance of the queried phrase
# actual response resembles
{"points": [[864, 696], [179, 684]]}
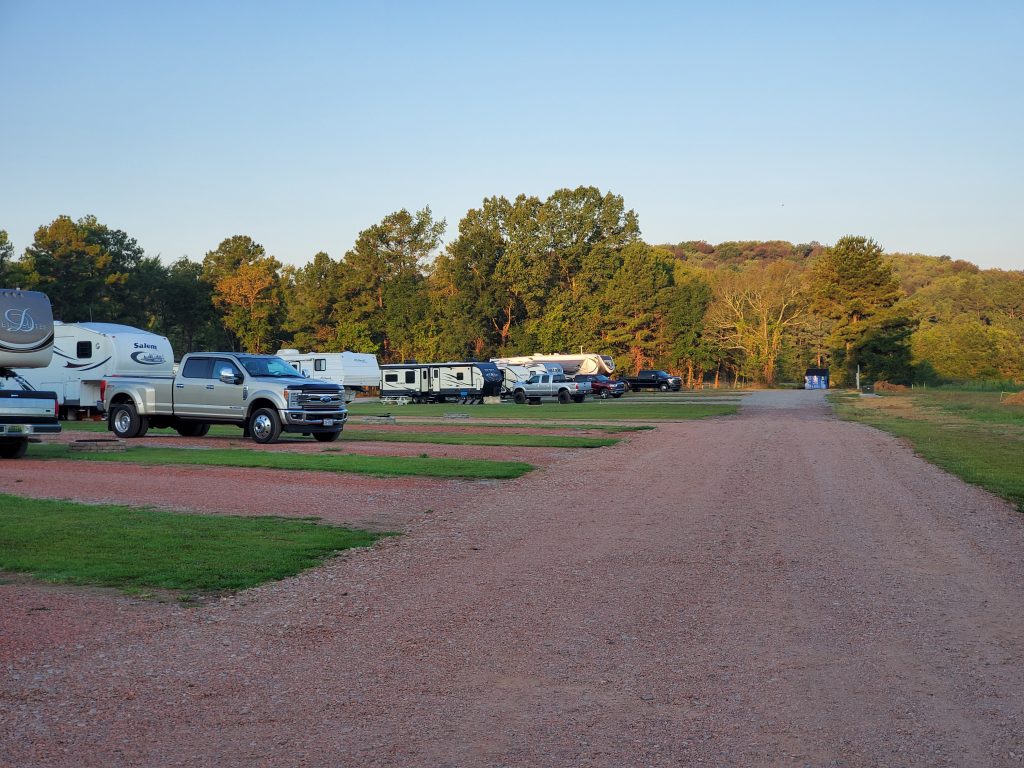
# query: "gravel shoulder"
{"points": [[777, 588]]}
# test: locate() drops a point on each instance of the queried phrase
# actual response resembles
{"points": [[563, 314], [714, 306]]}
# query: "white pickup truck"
{"points": [[550, 385], [262, 394]]}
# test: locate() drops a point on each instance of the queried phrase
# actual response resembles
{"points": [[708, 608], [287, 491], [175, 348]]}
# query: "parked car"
{"points": [[651, 379], [603, 386], [546, 385]]}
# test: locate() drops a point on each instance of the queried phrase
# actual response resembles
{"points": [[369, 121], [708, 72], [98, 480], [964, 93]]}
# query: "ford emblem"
{"points": [[325, 398]]}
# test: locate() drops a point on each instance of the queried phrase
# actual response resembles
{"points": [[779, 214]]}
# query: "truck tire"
{"points": [[13, 449], [617, 394], [578, 398], [126, 423], [326, 437], [663, 386], [192, 429], [605, 394], [563, 396], [264, 426], [519, 396]]}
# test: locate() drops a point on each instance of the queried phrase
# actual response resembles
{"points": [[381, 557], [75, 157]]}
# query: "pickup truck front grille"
{"points": [[321, 401]]}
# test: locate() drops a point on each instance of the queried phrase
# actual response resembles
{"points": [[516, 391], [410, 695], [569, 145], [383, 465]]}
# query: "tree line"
{"points": [[554, 275]]}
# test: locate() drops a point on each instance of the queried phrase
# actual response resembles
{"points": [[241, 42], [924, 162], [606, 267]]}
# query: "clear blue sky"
{"points": [[301, 124]]}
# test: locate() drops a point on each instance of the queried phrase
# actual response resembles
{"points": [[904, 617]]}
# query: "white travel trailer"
{"points": [[84, 354], [354, 371], [467, 382], [583, 362]]}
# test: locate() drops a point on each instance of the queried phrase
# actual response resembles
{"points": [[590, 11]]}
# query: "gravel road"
{"points": [[777, 588]]}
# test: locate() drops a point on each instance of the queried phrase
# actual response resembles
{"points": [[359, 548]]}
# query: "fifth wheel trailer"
{"points": [[26, 341], [584, 362], [355, 371], [85, 354]]}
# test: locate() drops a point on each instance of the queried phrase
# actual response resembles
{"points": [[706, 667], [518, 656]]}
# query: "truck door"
{"points": [[227, 401], [193, 388]]}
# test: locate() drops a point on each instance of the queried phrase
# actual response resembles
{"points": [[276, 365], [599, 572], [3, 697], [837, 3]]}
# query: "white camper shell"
{"points": [[355, 371], [583, 362], [84, 354]]}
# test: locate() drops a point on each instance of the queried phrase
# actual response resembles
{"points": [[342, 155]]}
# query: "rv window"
{"points": [[320, 364], [84, 350], [198, 368], [391, 378], [459, 376], [410, 377]]}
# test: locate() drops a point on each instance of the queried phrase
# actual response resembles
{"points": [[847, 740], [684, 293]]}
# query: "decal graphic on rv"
{"points": [[78, 366], [148, 358]]}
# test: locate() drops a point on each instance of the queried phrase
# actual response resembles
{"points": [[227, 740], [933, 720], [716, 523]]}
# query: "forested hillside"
{"points": [[557, 274]]}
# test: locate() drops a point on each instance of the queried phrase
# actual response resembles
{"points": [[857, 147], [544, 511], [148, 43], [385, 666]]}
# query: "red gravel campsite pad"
{"points": [[381, 503]]}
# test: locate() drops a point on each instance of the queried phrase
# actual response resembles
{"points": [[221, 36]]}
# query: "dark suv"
{"points": [[601, 385]]}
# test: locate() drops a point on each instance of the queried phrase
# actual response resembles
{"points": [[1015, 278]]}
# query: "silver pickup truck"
{"points": [[262, 394], [542, 386]]}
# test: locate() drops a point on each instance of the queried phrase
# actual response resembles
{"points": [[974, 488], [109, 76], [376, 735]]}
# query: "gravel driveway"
{"points": [[777, 588]]}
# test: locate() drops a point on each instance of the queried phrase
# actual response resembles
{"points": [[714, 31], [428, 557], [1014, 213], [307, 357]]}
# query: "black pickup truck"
{"points": [[650, 379]]}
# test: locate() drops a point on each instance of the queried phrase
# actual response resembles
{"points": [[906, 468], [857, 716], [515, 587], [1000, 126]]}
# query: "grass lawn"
{"points": [[136, 549], [597, 412], [969, 434], [385, 466]]}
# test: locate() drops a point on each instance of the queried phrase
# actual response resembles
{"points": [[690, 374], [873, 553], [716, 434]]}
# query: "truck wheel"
{"points": [[126, 423], [604, 394], [663, 387], [191, 429], [14, 449], [617, 394], [519, 396], [563, 396], [265, 426], [578, 398], [326, 437]]}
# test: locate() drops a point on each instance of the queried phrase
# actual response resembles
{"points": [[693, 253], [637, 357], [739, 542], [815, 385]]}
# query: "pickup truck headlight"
{"points": [[294, 398]]}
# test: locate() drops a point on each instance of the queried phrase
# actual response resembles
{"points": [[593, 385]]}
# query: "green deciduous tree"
{"points": [[246, 289], [755, 311], [312, 295], [91, 272], [383, 285]]}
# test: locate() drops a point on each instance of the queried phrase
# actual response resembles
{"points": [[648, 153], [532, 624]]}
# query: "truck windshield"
{"points": [[268, 366]]}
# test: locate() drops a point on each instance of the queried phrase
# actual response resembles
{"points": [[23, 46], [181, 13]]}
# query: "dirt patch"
{"points": [[885, 386], [1017, 399]]}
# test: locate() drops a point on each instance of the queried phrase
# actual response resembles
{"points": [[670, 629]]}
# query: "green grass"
{"points": [[601, 411], [477, 438], [385, 466], [965, 435], [135, 548]]}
